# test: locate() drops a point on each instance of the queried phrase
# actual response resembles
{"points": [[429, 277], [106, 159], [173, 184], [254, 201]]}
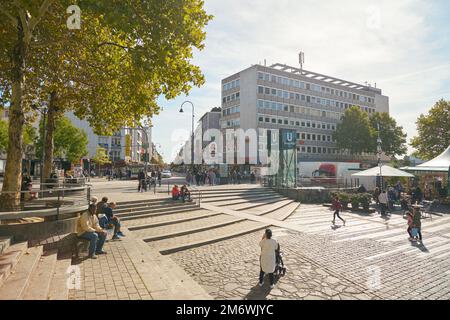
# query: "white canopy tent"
{"points": [[386, 171], [439, 164]]}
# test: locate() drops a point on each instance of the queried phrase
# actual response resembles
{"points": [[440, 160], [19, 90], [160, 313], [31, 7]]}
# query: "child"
{"points": [[409, 216], [337, 206]]}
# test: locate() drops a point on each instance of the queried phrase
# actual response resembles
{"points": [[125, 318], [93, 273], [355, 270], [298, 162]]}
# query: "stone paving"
{"points": [[369, 258], [110, 277], [388, 269], [230, 269]]}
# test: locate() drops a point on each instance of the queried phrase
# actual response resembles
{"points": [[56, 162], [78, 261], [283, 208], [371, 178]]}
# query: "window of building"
{"points": [[309, 149], [286, 121], [303, 136], [313, 136], [303, 149], [297, 123], [274, 120], [314, 150], [280, 121], [261, 119], [298, 135], [319, 150], [308, 124], [266, 90], [267, 120], [308, 136]]}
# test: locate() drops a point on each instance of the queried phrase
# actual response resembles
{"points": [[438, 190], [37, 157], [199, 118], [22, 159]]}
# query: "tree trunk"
{"points": [[49, 133], [13, 170]]}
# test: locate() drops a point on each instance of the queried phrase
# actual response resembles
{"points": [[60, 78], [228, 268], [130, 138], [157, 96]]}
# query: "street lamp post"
{"points": [[43, 111], [192, 135], [379, 151]]}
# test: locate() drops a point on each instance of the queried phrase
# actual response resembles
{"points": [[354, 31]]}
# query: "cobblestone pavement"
{"points": [[230, 269], [368, 258], [110, 277]]}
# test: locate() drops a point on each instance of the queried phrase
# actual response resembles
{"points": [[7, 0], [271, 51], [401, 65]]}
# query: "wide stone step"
{"points": [[284, 212], [5, 242], [151, 210], [258, 205], [244, 197], [252, 201], [184, 242], [146, 206], [280, 212], [157, 209], [267, 208], [10, 258], [58, 285], [234, 193], [179, 229], [156, 214], [16, 284], [152, 222], [152, 200], [39, 286]]}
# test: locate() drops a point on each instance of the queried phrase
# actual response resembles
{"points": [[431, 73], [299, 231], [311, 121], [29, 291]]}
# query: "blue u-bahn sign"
{"points": [[288, 139]]}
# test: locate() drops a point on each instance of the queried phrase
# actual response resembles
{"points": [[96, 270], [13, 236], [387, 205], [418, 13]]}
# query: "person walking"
{"points": [[159, 178], [89, 228], [142, 183], [337, 207], [417, 223], [409, 217], [383, 201], [268, 257]]}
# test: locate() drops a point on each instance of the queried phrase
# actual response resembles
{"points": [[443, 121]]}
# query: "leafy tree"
{"points": [[433, 131], [354, 133], [3, 135], [70, 142], [111, 72], [393, 139], [29, 135], [101, 157]]}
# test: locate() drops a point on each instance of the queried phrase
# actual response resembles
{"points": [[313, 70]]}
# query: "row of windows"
{"points": [[231, 123], [271, 105], [232, 110], [313, 87], [298, 123], [316, 150], [231, 85], [314, 137], [231, 97], [309, 99]]}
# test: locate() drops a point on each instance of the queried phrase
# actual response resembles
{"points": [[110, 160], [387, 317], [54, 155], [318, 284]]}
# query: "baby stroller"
{"points": [[280, 269]]}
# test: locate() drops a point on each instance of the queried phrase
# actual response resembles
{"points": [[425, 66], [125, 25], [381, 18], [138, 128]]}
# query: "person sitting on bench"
{"points": [[185, 194], [88, 228], [112, 219], [175, 193]]}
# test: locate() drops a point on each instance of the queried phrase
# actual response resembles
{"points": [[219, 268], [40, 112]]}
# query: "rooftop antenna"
{"points": [[301, 60], [264, 62]]}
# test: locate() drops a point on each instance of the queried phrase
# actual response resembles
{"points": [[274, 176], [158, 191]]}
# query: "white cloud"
{"points": [[388, 42]]}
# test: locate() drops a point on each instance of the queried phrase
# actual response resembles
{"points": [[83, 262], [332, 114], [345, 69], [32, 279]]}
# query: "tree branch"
{"points": [[42, 10], [10, 17], [112, 44]]}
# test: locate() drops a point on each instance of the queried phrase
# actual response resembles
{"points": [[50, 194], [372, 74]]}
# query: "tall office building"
{"points": [[284, 97]]}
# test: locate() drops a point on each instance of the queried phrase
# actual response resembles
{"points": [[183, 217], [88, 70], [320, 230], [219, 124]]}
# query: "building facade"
{"points": [[128, 144], [284, 97]]}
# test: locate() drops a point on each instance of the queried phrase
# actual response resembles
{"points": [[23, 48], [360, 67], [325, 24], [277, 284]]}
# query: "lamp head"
{"points": [[181, 110]]}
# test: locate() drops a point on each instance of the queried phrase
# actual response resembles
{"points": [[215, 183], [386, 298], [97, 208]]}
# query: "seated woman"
{"points": [[185, 193], [112, 219], [89, 228], [175, 193]]}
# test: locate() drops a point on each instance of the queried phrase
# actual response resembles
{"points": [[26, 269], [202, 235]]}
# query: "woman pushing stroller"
{"points": [[270, 259]]}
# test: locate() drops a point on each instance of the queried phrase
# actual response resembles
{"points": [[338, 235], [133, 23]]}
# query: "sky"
{"points": [[403, 46]]}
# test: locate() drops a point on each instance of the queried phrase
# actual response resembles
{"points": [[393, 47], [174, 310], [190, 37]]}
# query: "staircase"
{"points": [[30, 274], [170, 226]]}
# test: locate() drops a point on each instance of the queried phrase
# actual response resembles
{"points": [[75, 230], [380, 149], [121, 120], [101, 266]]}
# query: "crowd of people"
{"points": [[94, 223]]}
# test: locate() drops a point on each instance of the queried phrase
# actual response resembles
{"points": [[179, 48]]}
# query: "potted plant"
{"points": [[365, 201], [345, 199], [355, 199]]}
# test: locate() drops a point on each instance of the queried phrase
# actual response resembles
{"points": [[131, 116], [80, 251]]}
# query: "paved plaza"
{"points": [[214, 249]]}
